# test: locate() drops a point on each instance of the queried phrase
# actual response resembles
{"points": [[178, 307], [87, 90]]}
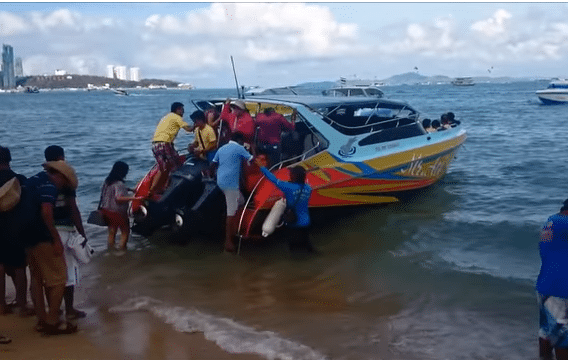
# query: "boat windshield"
{"points": [[558, 85], [362, 118]]}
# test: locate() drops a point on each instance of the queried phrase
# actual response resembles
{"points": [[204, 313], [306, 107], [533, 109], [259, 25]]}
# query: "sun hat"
{"points": [[65, 169], [240, 104], [10, 194]]}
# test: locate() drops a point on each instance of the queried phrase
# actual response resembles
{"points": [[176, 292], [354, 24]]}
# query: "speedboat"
{"points": [[555, 93], [119, 91], [355, 150], [355, 88], [284, 90], [463, 81]]}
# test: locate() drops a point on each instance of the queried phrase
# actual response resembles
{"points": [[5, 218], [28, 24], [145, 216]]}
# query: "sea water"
{"points": [[447, 274]]}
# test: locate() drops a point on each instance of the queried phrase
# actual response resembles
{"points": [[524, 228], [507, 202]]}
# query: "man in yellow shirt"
{"points": [[205, 141], [163, 145]]}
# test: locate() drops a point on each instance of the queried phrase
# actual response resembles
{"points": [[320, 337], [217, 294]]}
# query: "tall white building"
{"points": [[120, 72], [110, 71], [135, 74]]}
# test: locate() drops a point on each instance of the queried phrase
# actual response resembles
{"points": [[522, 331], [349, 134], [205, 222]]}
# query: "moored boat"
{"points": [[555, 93], [356, 151], [355, 88], [463, 81]]}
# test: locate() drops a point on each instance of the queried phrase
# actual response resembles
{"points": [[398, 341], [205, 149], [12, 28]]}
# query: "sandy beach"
{"points": [[104, 335]]}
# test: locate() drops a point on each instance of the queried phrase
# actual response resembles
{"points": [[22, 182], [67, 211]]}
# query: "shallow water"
{"points": [[447, 274]]}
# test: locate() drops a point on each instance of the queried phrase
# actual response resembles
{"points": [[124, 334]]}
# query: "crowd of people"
{"points": [[41, 226], [42, 229], [447, 121], [41, 223], [226, 140]]}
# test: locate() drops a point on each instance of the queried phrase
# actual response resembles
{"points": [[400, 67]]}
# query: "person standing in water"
{"points": [[552, 287], [297, 193], [114, 204]]}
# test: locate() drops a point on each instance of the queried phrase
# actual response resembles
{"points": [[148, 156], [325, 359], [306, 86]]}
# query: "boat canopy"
{"points": [[347, 115], [562, 84]]}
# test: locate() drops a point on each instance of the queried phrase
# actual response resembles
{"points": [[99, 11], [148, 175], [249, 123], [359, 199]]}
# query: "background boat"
{"points": [[463, 81], [555, 93]]}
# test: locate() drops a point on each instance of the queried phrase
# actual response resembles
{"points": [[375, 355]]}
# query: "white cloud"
{"points": [[11, 24], [261, 31], [62, 18], [495, 25]]}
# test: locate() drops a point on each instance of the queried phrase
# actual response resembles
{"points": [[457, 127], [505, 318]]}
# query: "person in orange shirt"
{"points": [[237, 117]]}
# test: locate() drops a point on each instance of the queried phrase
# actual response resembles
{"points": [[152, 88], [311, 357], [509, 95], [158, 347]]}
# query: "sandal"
{"points": [[5, 339], [61, 328]]}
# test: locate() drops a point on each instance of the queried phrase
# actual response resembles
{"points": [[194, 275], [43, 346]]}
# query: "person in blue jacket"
{"points": [[552, 286], [297, 193]]}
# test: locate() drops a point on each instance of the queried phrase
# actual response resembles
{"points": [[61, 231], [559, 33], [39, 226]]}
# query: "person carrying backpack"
{"points": [[12, 247]]}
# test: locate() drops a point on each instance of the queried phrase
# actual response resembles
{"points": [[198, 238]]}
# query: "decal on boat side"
{"points": [[417, 167], [387, 147]]}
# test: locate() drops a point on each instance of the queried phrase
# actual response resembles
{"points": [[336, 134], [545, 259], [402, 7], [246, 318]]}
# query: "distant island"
{"points": [[69, 81], [413, 78], [87, 81]]}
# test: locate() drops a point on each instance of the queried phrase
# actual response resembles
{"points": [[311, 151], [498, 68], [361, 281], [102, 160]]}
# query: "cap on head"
{"points": [[65, 169], [240, 104]]}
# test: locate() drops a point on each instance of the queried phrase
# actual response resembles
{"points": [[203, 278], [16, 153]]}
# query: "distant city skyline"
{"points": [[8, 68], [279, 44]]}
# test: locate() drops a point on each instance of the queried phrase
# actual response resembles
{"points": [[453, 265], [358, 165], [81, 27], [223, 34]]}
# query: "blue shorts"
{"points": [[553, 320]]}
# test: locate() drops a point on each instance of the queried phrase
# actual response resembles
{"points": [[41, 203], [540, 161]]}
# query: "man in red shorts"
{"points": [[163, 145]]}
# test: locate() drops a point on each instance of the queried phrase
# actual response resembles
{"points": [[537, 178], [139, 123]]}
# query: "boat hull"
{"points": [[337, 183], [553, 97]]}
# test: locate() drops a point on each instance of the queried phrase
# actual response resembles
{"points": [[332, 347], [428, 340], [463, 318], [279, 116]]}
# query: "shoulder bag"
{"points": [[96, 216]]}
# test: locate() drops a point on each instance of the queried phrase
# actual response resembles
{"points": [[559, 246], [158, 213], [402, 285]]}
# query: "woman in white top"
{"points": [[114, 204]]}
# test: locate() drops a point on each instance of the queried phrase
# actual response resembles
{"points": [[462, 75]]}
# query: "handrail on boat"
{"points": [[279, 165]]}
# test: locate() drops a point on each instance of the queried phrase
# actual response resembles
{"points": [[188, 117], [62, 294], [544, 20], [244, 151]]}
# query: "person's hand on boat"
{"points": [[261, 161]]}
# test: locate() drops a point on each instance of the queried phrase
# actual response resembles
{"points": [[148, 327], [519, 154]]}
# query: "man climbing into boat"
{"points": [[205, 141], [228, 163], [270, 126], [237, 117], [163, 146]]}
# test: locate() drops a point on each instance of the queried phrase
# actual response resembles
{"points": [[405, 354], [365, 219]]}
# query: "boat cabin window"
{"points": [[363, 118], [374, 92], [357, 92]]}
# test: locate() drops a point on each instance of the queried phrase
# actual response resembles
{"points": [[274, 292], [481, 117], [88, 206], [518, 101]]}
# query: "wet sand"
{"points": [[104, 335]]}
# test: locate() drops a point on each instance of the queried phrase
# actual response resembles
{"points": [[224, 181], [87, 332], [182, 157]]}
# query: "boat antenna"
{"points": [[236, 81]]}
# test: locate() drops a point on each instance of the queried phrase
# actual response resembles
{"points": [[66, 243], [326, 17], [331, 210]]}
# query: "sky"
{"points": [[288, 43]]}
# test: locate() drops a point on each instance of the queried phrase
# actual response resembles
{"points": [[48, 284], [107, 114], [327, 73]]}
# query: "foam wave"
{"points": [[228, 334]]}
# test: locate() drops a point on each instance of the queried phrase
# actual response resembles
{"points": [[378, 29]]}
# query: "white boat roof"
{"points": [[317, 101]]}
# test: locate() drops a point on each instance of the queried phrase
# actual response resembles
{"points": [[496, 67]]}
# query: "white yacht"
{"points": [[555, 93]]}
